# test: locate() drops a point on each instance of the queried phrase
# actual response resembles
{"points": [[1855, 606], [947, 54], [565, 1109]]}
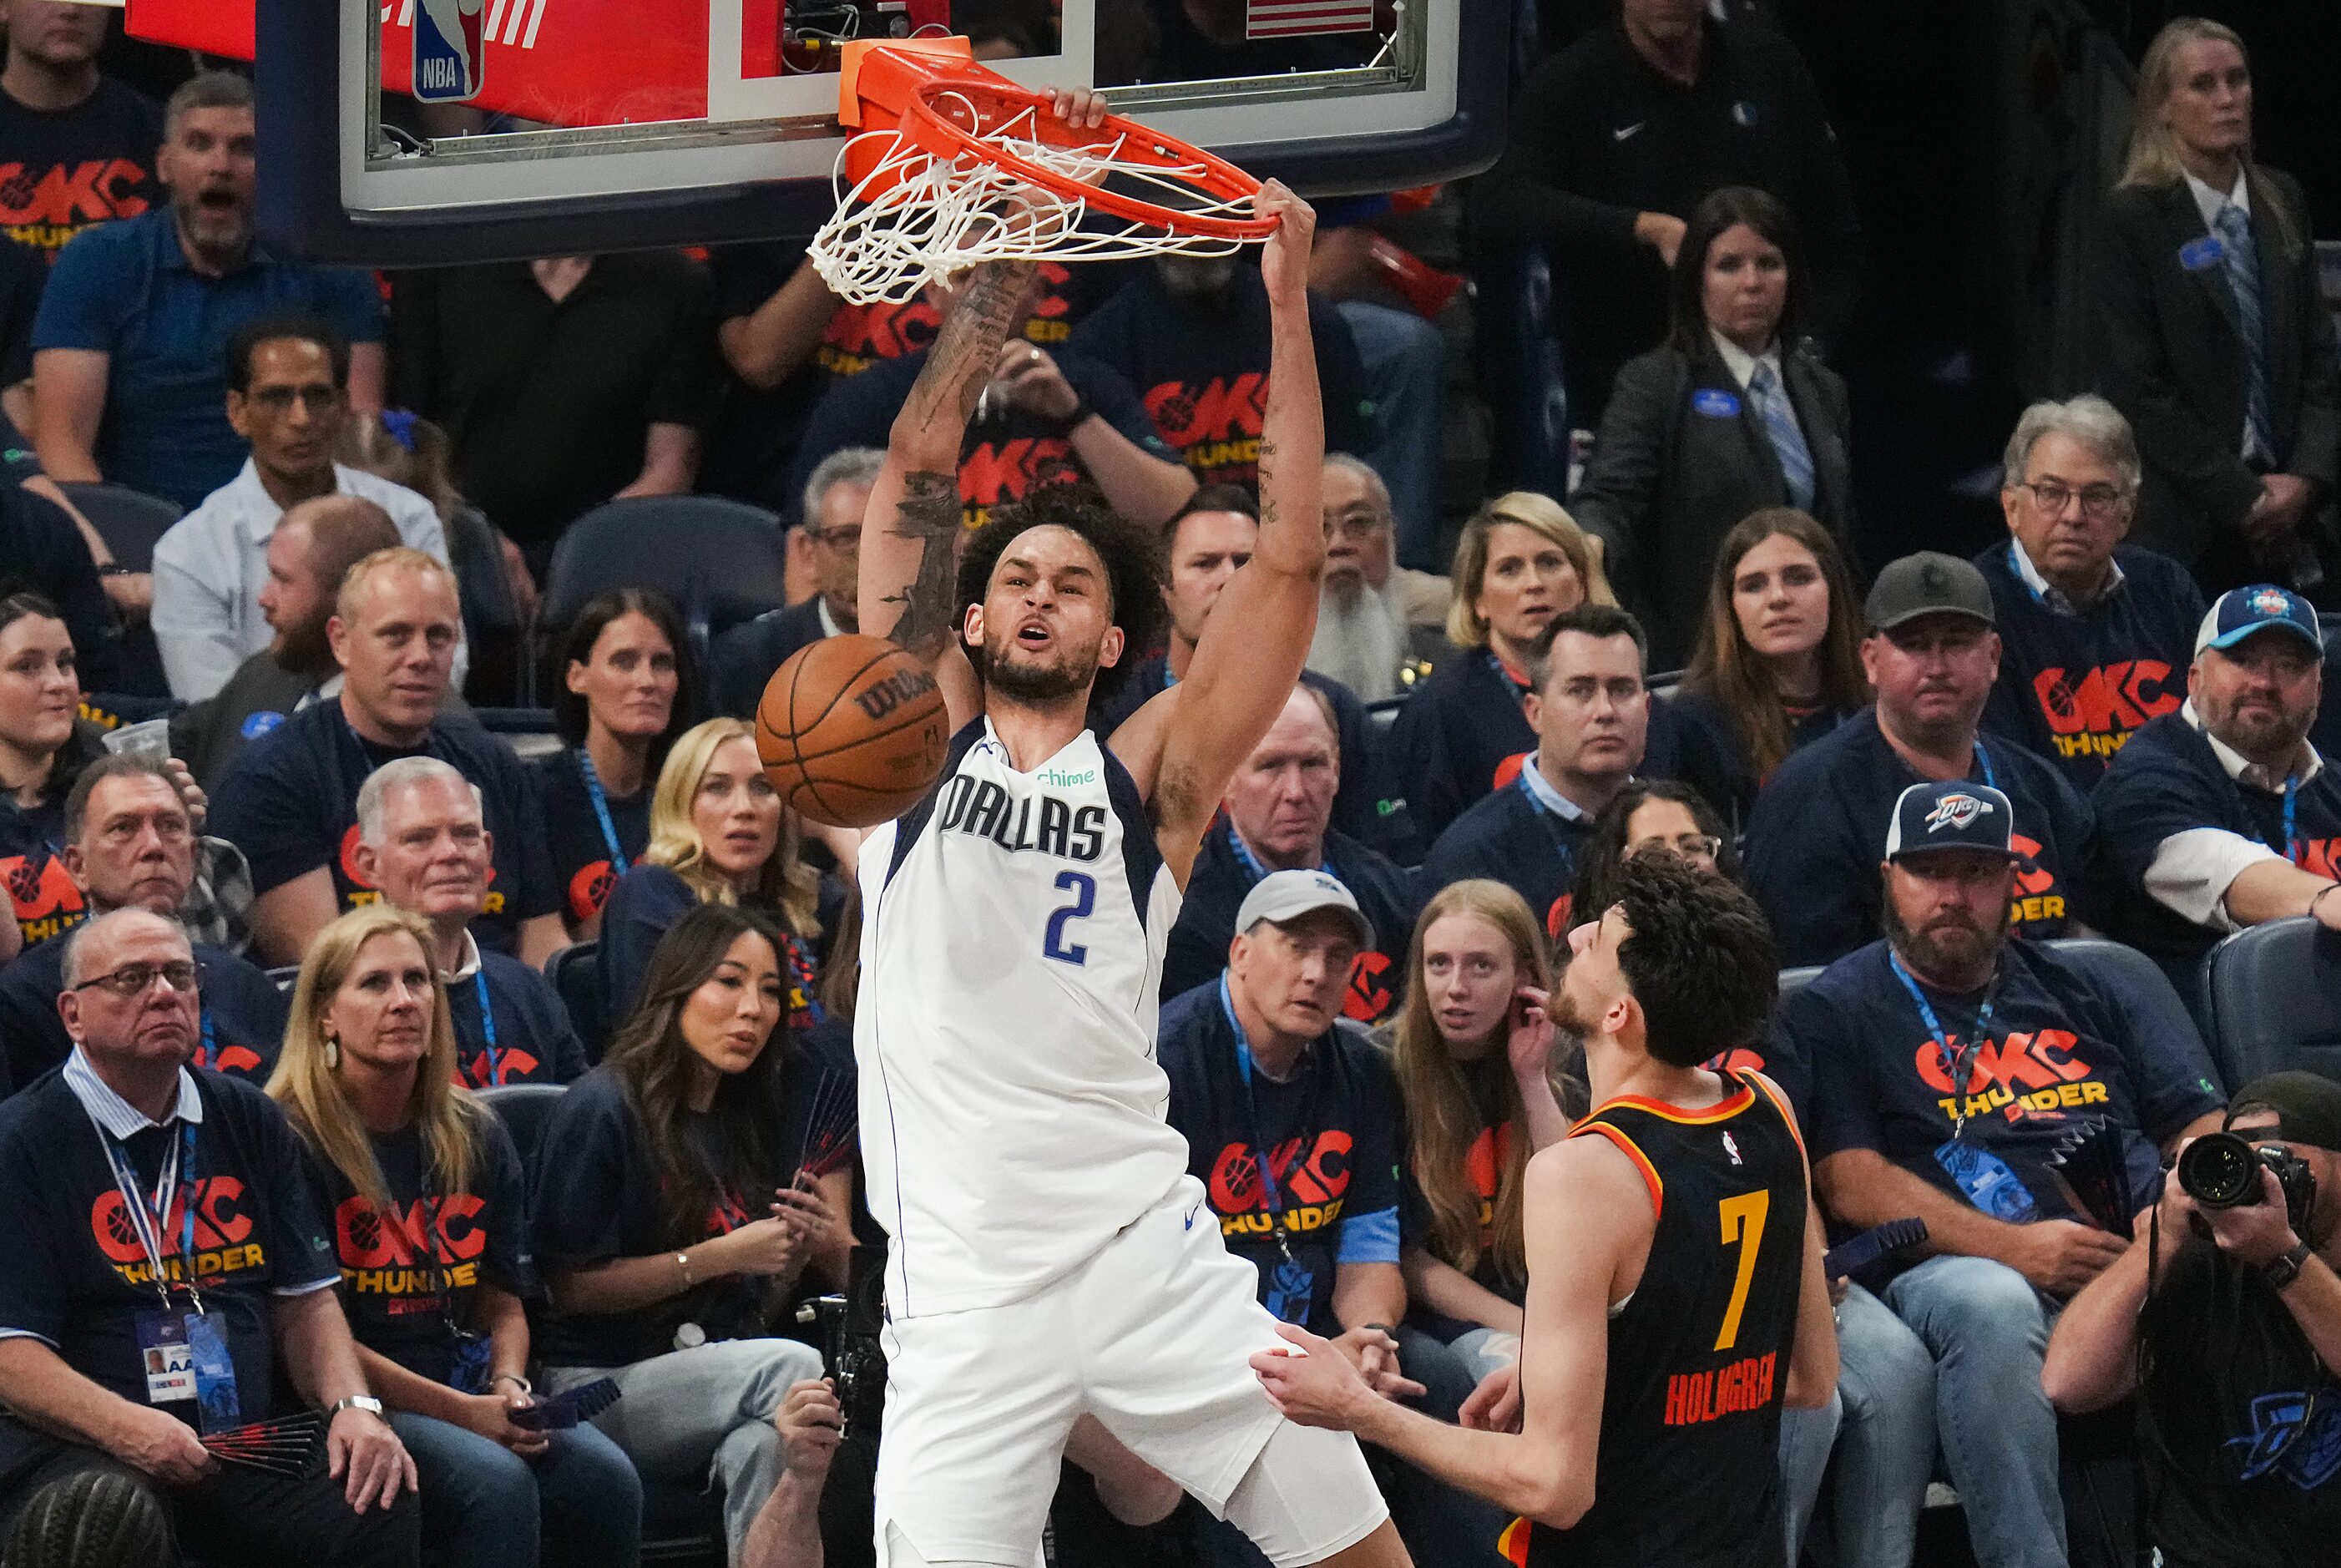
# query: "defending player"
{"points": [[1047, 1262], [1675, 1289]]}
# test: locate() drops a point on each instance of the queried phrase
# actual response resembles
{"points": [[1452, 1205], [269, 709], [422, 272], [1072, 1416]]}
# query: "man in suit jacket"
{"points": [[830, 538], [2233, 391]]}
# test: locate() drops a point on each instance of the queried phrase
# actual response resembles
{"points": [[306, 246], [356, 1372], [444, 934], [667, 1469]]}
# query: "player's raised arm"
{"points": [[1253, 647]]}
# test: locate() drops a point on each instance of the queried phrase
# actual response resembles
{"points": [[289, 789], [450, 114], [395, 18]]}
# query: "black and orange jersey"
{"points": [[1687, 1473]]}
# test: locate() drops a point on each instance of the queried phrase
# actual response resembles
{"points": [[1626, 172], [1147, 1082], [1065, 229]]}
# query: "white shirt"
{"points": [[1743, 365], [1540, 790], [211, 564], [2192, 870], [2049, 594], [2211, 203]]}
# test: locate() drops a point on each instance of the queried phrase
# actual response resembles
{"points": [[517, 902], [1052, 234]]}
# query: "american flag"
{"points": [[1301, 18]]}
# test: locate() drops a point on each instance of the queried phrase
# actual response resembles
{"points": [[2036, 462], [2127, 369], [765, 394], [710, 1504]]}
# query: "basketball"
{"points": [[852, 731]]}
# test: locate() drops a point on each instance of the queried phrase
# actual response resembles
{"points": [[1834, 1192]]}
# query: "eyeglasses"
{"points": [[181, 974], [2099, 502], [1689, 846], [279, 399], [844, 541]]}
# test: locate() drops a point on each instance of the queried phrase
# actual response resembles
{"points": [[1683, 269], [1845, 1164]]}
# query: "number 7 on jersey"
{"points": [[1743, 1222]]}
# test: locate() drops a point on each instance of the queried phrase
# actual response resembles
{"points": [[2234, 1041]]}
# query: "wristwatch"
{"points": [[2281, 1272], [364, 1402]]}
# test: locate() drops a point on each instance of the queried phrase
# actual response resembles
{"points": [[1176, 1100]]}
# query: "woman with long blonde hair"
{"points": [[720, 833], [1521, 561], [2217, 345], [1473, 1048], [425, 1200]]}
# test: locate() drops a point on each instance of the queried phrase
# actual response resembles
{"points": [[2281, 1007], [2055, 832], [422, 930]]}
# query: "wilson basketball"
{"points": [[852, 731]]}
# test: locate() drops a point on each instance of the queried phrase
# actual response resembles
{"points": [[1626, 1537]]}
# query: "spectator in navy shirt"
{"points": [[1520, 562], [2094, 636], [128, 351], [130, 843], [84, 1303], [423, 841], [1591, 714], [1277, 816], [290, 801], [43, 746], [1293, 1133], [1931, 654], [829, 542], [1948, 1065], [83, 143], [2222, 814]]}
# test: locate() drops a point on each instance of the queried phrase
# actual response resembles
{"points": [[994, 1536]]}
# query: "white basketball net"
{"points": [[916, 217]]}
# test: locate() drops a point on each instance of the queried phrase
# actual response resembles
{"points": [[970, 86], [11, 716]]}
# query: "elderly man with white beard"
{"points": [[1375, 617]]}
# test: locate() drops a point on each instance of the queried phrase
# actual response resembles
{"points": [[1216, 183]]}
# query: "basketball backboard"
{"points": [[412, 132]]}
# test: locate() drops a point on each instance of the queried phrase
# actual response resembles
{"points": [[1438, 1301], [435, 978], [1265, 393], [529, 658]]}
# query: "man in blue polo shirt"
{"points": [[1277, 816], [1591, 715], [2222, 814], [2094, 634], [423, 841], [1931, 656], [129, 347], [1949, 1065]]}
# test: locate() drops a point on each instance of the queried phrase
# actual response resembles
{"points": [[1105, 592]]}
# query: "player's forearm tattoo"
{"points": [[929, 515], [966, 349]]}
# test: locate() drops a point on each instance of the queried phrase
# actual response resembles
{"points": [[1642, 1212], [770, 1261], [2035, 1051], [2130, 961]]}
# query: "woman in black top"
{"points": [[426, 1198], [1779, 662], [42, 749], [626, 694], [679, 1226]]}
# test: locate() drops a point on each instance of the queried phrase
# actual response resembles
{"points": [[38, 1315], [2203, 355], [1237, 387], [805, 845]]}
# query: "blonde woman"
{"points": [[719, 834], [426, 1199], [2236, 417], [1473, 1046], [1520, 562]]}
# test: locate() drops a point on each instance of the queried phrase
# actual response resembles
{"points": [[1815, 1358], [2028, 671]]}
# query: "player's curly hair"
{"points": [[1132, 557], [1700, 960], [96, 1519]]}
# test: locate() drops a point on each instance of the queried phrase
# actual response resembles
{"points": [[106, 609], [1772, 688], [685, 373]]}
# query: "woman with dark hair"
{"points": [[1779, 662], [626, 693], [1649, 815], [43, 746], [1733, 412], [677, 1224]]}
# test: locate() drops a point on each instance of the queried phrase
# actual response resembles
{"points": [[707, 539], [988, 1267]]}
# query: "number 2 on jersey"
{"points": [[1084, 887], [1743, 1222]]}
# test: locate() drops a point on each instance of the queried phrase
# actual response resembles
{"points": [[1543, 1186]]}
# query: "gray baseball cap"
{"points": [[1927, 584], [1283, 895]]}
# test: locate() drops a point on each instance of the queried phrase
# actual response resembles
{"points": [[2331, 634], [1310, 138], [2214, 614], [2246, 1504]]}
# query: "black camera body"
{"points": [[2222, 1171], [851, 1355]]}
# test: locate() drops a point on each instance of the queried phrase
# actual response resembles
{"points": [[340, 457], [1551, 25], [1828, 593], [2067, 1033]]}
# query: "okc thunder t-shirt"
{"points": [[2074, 688], [1483, 1170], [1818, 832], [1331, 1134], [582, 864], [290, 804], [411, 1273], [42, 896], [2066, 1045], [66, 170], [534, 1041], [77, 1278], [243, 1014]]}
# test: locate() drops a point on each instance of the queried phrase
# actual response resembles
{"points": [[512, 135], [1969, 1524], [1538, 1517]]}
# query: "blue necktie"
{"points": [[1787, 441], [2243, 263]]}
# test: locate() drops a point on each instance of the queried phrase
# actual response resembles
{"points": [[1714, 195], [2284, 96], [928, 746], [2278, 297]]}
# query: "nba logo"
{"points": [[1732, 1149], [449, 35]]}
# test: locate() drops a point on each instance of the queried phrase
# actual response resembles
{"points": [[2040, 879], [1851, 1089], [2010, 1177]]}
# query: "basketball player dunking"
{"points": [[1052, 1265], [1675, 1292]]}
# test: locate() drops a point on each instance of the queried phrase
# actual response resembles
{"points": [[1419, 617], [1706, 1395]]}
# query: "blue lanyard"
{"points": [[1954, 1063], [2290, 847], [1520, 689], [1983, 760], [487, 1025], [1250, 863], [1261, 1153], [211, 1045], [609, 829], [147, 1217]]}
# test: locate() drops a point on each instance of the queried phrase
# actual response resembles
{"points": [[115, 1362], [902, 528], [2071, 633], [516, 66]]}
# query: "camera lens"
{"points": [[2221, 1171]]}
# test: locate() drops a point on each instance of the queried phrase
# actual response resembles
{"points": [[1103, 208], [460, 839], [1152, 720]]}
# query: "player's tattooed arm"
{"points": [[928, 517], [985, 310]]}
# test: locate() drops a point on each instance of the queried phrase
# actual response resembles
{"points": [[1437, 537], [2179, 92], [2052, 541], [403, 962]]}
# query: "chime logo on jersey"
{"points": [[450, 51], [2036, 1073], [1955, 811], [1311, 1178], [2092, 712], [224, 1243], [403, 1249]]}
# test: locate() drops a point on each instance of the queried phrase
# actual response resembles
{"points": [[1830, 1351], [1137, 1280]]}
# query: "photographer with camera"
{"points": [[2227, 1327]]}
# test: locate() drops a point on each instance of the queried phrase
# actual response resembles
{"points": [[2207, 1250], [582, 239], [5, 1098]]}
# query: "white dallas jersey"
{"points": [[1012, 951]]}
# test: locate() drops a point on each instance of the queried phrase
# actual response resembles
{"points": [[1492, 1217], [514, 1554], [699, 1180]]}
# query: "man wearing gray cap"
{"points": [[1931, 654], [1292, 1127]]}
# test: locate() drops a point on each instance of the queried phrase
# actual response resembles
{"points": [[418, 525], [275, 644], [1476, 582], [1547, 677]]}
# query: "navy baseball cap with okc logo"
{"points": [[2241, 613], [1956, 814]]}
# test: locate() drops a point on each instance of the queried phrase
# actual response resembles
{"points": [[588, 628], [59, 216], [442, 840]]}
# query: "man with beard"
{"points": [[1375, 619], [129, 362], [1947, 1066], [1641, 1424], [309, 553]]}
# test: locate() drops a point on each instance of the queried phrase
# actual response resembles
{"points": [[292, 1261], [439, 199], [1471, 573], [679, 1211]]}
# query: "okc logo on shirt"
{"points": [[2093, 712], [2034, 1074], [46, 208], [394, 1249], [992, 471], [1311, 1178], [224, 1056], [45, 898], [222, 1232], [1215, 426], [1955, 811]]}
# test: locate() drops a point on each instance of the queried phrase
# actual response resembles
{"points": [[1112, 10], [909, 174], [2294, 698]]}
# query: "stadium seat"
{"points": [[575, 973], [128, 520], [525, 1109], [2132, 971], [1795, 979], [2274, 997]]}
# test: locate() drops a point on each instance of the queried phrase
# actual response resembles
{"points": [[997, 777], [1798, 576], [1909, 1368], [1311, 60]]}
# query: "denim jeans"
{"points": [[578, 1505], [1806, 1436], [1886, 1447], [1405, 360], [1987, 1330]]}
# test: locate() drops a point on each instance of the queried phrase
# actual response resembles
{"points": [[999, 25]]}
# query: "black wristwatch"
{"points": [[2281, 1272]]}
